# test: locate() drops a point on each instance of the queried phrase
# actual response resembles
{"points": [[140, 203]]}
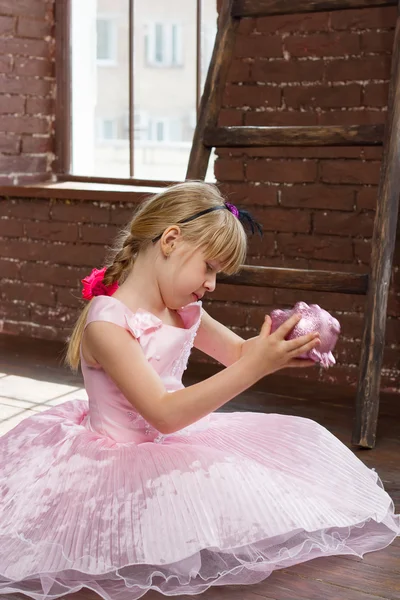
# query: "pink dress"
{"points": [[92, 496]]}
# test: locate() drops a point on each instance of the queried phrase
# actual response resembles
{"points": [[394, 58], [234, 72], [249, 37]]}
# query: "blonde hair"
{"points": [[219, 234]]}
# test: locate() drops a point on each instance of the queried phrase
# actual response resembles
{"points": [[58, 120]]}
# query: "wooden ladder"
{"points": [[375, 285]]}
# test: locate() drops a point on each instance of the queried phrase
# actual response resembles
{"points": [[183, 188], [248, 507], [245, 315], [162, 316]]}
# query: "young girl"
{"points": [[146, 487]]}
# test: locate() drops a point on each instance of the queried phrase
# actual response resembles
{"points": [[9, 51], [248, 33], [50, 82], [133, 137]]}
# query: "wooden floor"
{"points": [[377, 576]]}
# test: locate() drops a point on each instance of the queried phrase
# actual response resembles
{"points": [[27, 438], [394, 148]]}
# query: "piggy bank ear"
{"points": [[300, 306], [277, 313], [317, 307]]}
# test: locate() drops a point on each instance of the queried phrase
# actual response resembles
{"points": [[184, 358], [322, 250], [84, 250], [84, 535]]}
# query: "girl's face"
{"points": [[185, 276]]}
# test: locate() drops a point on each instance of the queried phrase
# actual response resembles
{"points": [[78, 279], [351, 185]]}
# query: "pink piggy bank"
{"points": [[314, 318]]}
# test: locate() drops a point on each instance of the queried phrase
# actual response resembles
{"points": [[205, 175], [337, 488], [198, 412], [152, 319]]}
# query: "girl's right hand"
{"points": [[273, 352]]}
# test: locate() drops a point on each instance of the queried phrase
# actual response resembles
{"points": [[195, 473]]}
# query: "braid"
{"points": [[123, 259]]}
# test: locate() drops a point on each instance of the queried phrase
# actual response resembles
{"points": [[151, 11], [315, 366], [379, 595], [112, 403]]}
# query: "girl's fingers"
{"points": [[296, 343], [266, 327], [305, 348], [287, 326]]}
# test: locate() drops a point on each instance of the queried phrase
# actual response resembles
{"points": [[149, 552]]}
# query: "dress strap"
{"points": [[111, 310], [105, 308]]}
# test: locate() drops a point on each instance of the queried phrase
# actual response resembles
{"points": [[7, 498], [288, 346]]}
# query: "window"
{"points": [[165, 129], [106, 41], [160, 131], [158, 70], [107, 130], [163, 45], [176, 45], [140, 122]]}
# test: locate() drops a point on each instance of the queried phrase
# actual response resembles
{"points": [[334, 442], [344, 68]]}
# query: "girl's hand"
{"points": [[272, 352]]}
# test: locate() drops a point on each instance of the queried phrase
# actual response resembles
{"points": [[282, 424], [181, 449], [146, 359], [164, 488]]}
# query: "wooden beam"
{"points": [[315, 135], [383, 245], [265, 8], [214, 86], [299, 279]]}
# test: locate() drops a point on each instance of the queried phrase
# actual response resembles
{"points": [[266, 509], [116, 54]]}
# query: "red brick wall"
{"points": [[27, 88], [46, 248]]}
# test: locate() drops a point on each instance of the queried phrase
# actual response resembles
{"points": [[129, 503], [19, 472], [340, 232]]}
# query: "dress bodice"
{"points": [[167, 349]]}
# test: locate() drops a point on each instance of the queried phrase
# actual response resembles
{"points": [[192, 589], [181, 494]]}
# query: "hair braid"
{"points": [[123, 258]]}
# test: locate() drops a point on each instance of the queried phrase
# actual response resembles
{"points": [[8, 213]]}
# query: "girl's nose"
{"points": [[210, 283]]}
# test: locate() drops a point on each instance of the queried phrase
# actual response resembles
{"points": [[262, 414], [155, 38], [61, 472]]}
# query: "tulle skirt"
{"points": [[226, 504]]}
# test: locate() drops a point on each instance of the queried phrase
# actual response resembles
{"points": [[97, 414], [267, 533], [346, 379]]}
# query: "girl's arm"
{"points": [[122, 358], [219, 342]]}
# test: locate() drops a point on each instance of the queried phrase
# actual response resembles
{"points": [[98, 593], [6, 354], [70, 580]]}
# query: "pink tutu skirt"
{"points": [[226, 504]]}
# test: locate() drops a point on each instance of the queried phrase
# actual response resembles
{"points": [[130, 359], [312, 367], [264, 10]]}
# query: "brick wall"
{"points": [[27, 88], [316, 204], [46, 248]]}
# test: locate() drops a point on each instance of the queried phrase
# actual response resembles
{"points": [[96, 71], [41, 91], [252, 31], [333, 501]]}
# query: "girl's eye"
{"points": [[209, 267]]}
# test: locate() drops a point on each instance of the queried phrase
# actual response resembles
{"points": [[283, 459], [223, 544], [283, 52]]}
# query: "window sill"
{"points": [[77, 190]]}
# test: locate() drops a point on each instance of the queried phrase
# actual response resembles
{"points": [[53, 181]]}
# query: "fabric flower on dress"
{"points": [[142, 321], [93, 285]]}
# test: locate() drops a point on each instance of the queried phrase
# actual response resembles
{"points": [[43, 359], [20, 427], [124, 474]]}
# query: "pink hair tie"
{"points": [[93, 285]]}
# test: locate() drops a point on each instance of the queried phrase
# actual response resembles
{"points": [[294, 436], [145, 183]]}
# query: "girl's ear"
{"points": [[169, 239]]}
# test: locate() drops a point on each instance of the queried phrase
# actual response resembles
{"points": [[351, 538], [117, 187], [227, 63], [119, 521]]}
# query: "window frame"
{"points": [[64, 97]]}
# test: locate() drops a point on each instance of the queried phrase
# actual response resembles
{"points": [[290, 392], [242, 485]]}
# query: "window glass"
{"points": [[164, 80]]}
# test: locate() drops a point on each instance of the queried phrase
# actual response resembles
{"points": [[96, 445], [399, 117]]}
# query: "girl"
{"points": [[147, 487]]}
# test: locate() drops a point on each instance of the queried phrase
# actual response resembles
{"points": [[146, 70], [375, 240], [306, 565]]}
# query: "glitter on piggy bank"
{"points": [[313, 318]]}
